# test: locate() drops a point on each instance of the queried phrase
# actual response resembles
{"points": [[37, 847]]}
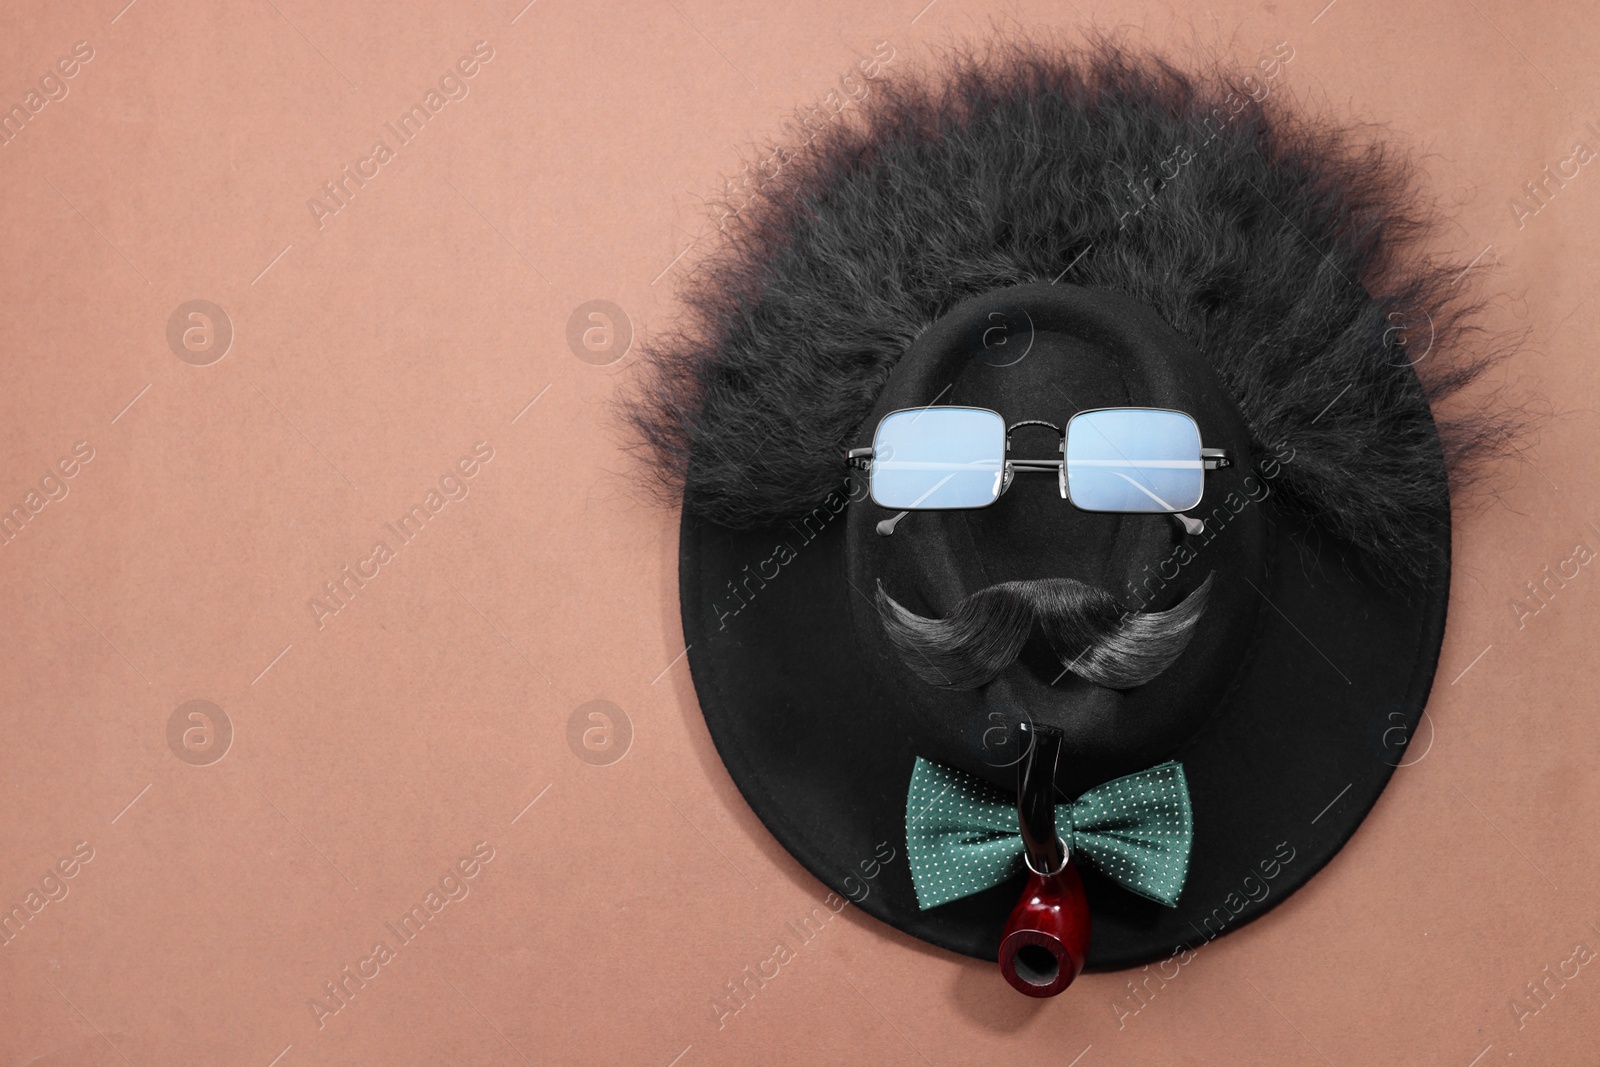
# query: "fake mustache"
{"points": [[1084, 625]]}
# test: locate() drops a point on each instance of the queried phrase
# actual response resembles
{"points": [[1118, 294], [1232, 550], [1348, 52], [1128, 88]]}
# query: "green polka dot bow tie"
{"points": [[962, 835]]}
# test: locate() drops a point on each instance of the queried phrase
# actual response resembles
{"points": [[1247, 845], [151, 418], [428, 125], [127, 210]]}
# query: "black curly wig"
{"points": [[1286, 250]]}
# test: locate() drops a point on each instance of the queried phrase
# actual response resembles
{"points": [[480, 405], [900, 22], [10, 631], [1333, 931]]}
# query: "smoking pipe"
{"points": [[1046, 939]]}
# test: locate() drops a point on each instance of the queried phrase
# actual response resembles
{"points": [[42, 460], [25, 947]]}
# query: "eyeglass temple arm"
{"points": [[861, 459]]}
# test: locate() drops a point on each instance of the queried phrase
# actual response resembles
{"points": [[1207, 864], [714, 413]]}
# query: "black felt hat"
{"points": [[970, 238]]}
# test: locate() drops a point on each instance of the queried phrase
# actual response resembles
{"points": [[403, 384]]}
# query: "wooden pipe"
{"points": [[1046, 940]]}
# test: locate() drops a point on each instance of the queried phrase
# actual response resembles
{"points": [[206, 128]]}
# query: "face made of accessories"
{"points": [[1015, 611], [1022, 605], [1125, 460]]}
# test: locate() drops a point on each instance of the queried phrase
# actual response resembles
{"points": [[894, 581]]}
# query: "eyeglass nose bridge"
{"points": [[1057, 465]]}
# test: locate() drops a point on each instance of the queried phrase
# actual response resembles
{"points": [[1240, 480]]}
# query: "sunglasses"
{"points": [[1121, 460]]}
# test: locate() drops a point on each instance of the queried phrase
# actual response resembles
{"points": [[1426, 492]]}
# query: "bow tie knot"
{"points": [[962, 835]]}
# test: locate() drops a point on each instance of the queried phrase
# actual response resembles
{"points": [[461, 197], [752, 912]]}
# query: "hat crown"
{"points": [[1046, 352]]}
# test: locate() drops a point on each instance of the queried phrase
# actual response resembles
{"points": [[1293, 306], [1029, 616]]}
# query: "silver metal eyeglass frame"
{"points": [[1210, 459]]}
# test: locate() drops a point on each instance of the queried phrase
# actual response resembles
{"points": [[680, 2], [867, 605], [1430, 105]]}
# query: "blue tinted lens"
{"points": [[1134, 459], [938, 458]]}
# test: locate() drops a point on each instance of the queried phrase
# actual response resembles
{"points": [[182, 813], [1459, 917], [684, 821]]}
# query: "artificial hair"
{"points": [[1285, 249], [1087, 628]]}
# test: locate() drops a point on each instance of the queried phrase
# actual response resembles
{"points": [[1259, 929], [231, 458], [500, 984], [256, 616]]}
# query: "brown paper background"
{"points": [[371, 754]]}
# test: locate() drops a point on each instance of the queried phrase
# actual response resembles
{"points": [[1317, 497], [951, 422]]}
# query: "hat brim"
{"points": [[1280, 778]]}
